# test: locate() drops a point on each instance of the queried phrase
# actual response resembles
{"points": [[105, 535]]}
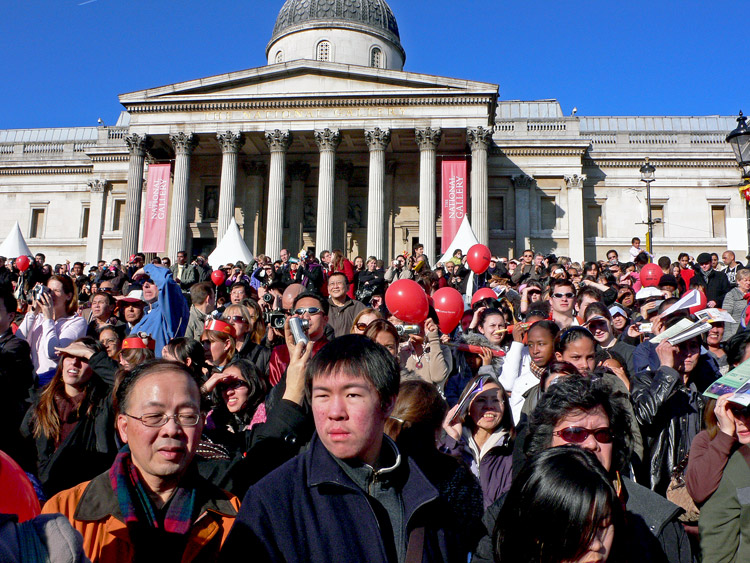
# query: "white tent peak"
{"points": [[232, 248], [14, 244], [464, 239]]}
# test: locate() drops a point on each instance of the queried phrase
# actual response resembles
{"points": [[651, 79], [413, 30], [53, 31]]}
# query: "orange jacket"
{"points": [[93, 510]]}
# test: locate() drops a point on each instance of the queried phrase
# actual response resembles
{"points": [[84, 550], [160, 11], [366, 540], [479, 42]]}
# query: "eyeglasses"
{"points": [[237, 319], [565, 295], [158, 420], [578, 435], [310, 310]]}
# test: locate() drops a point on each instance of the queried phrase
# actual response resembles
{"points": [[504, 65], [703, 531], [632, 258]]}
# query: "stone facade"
{"points": [[308, 152]]}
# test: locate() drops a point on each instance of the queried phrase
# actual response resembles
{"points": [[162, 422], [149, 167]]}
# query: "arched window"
{"points": [[376, 58], [324, 51], [279, 57]]}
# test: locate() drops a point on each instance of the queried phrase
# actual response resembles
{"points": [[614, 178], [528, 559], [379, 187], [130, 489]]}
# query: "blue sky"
{"points": [[65, 61]]}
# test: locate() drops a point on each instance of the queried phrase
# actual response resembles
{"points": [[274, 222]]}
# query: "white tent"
{"points": [[14, 245], [231, 248], [464, 239]]}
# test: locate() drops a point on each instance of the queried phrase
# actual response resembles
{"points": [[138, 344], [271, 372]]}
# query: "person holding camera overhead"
{"points": [[51, 323], [398, 270]]}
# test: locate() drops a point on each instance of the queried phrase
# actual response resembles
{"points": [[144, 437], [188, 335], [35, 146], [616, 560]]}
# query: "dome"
{"points": [[374, 16]]}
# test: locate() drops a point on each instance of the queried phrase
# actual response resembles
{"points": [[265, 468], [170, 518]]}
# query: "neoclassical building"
{"points": [[333, 144]]}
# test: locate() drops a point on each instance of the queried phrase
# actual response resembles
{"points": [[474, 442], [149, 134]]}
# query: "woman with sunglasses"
{"points": [[363, 320], [480, 430], [599, 320], [69, 428]]}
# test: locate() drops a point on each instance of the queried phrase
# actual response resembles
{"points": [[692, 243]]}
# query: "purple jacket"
{"points": [[494, 468]]}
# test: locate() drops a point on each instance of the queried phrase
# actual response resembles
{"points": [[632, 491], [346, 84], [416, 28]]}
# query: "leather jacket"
{"points": [[671, 415]]}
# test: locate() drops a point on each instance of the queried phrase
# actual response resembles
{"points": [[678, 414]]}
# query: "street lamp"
{"points": [[740, 141], [647, 176]]}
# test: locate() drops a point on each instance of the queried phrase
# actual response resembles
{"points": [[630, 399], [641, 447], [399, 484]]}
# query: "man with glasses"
{"points": [[526, 270], [313, 308], [152, 504], [578, 411], [342, 309], [562, 297]]}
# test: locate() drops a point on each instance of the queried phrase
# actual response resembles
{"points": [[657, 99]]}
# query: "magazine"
{"points": [[737, 381]]}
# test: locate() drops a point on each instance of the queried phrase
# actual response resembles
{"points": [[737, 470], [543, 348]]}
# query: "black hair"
{"points": [[507, 421], [241, 284], [125, 386], [550, 326], [571, 334], [488, 313], [555, 507], [554, 283], [313, 295], [579, 393], [594, 292], [555, 367], [488, 302], [182, 348], [599, 309], [360, 357], [603, 354], [9, 300], [735, 347], [538, 309], [681, 255], [342, 274], [256, 391]]}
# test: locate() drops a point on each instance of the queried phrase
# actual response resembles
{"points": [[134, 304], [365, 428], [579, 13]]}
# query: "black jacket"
{"points": [[670, 415], [717, 285], [16, 382]]}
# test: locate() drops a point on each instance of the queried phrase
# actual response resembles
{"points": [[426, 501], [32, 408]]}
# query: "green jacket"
{"points": [[725, 517]]}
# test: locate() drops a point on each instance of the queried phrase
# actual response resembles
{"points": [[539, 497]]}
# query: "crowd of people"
{"points": [[279, 411]]}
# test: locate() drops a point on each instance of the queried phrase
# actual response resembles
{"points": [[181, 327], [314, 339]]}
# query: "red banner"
{"points": [[455, 183], [157, 208]]}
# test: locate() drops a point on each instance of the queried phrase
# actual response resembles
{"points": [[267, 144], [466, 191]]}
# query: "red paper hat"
{"points": [[220, 326], [132, 342]]}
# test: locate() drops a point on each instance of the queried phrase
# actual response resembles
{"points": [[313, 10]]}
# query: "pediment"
{"points": [[300, 79]]}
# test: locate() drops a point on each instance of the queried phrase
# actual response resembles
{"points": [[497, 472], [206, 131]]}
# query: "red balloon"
{"points": [[478, 258], [703, 303], [23, 263], [407, 301], [449, 306], [218, 277], [650, 275], [483, 293], [17, 496]]}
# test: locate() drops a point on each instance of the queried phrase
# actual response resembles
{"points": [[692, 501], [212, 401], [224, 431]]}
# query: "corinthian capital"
{"points": [[478, 137], [428, 137], [230, 142], [344, 170], [299, 170], [327, 139], [97, 185], [377, 139], [522, 181], [183, 143], [138, 145], [278, 141], [575, 180]]}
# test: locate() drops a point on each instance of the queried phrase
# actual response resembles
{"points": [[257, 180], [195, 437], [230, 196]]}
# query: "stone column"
{"points": [[377, 140], [96, 220], [327, 140], [298, 173], [428, 140], [254, 171], [278, 142], [575, 216], [230, 145], [344, 171], [138, 146], [183, 144], [521, 189], [479, 139], [390, 176]]}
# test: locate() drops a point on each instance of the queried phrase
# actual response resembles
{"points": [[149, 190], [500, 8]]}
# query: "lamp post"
{"points": [[647, 176], [739, 139]]}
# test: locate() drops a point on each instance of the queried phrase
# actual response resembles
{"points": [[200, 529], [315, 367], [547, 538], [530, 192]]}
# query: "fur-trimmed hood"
{"points": [[478, 339]]}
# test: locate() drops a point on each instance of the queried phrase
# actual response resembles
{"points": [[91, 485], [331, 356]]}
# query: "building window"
{"points": [[657, 217], [376, 58], [279, 57], [210, 203], [323, 51], [718, 221], [548, 213], [36, 229], [118, 213], [593, 224], [496, 211], [85, 216]]}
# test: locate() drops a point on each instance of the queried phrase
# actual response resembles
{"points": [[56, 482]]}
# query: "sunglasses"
{"points": [[361, 326], [578, 435], [234, 384], [310, 310], [565, 295], [236, 319]]}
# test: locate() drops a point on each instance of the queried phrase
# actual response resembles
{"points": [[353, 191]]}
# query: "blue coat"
{"points": [[310, 510], [168, 316]]}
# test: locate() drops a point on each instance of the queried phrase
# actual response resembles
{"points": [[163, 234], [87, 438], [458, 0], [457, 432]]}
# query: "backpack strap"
{"points": [[415, 549], [30, 545]]}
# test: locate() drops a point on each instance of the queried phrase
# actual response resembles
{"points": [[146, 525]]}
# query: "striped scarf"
{"points": [[135, 504], [536, 370]]}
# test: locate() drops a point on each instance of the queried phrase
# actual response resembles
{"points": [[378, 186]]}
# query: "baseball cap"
{"points": [[617, 310], [133, 296]]}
